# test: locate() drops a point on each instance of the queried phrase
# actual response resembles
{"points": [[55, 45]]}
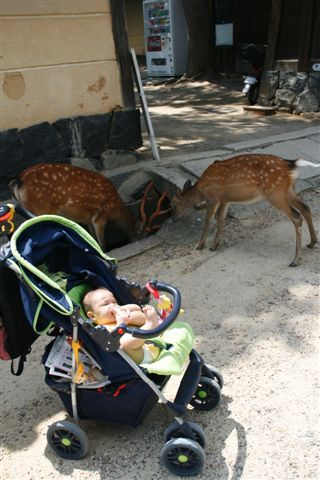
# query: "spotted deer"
{"points": [[76, 193], [247, 178]]}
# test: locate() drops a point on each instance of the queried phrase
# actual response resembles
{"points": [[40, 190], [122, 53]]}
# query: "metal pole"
{"points": [[144, 105]]}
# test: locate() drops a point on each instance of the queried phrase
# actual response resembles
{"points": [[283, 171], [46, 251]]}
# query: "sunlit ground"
{"points": [[206, 116]]}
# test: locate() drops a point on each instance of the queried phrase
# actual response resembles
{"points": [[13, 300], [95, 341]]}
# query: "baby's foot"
{"points": [[151, 314]]}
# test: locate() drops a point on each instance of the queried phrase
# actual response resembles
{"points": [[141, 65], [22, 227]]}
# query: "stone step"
{"points": [[260, 109]]}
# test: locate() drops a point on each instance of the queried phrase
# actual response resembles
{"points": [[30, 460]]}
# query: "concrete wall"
{"points": [[134, 17], [57, 60]]}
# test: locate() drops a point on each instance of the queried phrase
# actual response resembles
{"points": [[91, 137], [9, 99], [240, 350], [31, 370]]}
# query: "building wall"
{"points": [[57, 61], [134, 17]]}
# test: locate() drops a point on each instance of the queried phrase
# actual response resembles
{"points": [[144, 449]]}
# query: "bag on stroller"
{"points": [[53, 258]]}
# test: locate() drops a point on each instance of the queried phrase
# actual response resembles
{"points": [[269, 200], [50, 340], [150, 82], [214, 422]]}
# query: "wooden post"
{"points": [[120, 36], [273, 34], [305, 35]]}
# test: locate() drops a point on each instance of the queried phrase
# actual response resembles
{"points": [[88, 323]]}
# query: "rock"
{"points": [[293, 81], [132, 185], [43, 144], [284, 98], [111, 159], [125, 130], [11, 159], [83, 163], [269, 85], [314, 81], [85, 136], [307, 101]]}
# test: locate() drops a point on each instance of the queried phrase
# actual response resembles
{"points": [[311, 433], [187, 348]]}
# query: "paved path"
{"points": [[303, 144]]}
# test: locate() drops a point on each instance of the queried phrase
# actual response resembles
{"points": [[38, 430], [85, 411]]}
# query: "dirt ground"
{"points": [[254, 318], [199, 116]]}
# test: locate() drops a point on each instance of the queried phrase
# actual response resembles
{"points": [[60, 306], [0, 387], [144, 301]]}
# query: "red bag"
{"points": [[4, 355]]}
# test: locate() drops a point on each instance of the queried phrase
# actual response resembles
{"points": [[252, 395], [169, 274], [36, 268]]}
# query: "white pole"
{"points": [[144, 105]]}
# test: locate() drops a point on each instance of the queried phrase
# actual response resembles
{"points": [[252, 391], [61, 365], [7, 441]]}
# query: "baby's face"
{"points": [[102, 304]]}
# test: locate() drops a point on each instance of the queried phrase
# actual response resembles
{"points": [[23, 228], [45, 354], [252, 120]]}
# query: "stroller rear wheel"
{"points": [[175, 430], [183, 456], [207, 396], [68, 440]]}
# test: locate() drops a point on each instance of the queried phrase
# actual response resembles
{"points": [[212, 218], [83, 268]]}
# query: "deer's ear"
{"points": [[187, 185]]}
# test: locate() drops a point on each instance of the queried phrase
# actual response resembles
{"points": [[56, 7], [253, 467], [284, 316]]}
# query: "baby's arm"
{"points": [[135, 315], [130, 343]]}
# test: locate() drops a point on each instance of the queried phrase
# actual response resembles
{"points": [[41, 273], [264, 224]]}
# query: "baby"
{"points": [[101, 307]]}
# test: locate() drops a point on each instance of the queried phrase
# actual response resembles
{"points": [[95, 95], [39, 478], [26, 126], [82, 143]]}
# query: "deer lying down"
{"points": [[247, 178], [76, 193]]}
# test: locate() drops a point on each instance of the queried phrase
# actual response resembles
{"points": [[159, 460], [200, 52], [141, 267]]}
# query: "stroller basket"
{"points": [[124, 403]]}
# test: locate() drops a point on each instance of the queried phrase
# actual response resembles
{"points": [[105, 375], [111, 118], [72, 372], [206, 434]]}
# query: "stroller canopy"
{"points": [[54, 254]]}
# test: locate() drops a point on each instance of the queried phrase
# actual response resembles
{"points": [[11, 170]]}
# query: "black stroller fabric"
{"points": [[63, 249], [19, 333]]}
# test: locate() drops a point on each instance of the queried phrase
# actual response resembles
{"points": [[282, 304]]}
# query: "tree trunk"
{"points": [[200, 17]]}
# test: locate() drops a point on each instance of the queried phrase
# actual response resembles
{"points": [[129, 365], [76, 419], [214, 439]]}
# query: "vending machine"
{"points": [[166, 37]]}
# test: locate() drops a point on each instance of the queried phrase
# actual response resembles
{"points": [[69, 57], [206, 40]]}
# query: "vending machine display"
{"points": [[166, 37]]}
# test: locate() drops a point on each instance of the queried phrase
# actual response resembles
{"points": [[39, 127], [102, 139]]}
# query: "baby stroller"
{"points": [[53, 259]]}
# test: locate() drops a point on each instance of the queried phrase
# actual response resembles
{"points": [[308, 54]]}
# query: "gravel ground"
{"points": [[254, 318]]}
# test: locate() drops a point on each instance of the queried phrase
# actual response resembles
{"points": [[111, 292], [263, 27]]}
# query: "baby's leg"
{"points": [[137, 318]]}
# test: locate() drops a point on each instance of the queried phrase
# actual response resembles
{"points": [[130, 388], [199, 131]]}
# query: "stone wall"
{"points": [[294, 92], [58, 142]]}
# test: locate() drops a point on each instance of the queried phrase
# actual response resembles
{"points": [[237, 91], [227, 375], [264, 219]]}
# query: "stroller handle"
{"points": [[161, 287], [26, 214]]}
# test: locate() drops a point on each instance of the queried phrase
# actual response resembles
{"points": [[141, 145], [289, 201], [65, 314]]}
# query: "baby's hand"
{"points": [[122, 316]]}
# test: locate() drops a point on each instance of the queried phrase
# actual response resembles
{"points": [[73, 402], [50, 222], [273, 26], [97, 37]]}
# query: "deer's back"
{"points": [[63, 189], [246, 177]]}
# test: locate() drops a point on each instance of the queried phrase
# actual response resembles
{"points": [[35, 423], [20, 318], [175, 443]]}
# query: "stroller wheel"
{"points": [[214, 373], [68, 440], [183, 456], [207, 396], [175, 430]]}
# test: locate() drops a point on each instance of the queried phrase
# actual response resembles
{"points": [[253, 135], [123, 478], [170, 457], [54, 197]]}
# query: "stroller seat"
{"points": [[175, 342]]}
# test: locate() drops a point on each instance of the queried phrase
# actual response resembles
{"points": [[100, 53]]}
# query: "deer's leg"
{"points": [[220, 217], [211, 210], [306, 213], [99, 224], [282, 204]]}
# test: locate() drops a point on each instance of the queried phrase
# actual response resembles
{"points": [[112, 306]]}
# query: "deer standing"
{"points": [[76, 193], [247, 178]]}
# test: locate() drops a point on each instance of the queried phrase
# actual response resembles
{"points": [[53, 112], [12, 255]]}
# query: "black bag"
{"points": [[16, 334]]}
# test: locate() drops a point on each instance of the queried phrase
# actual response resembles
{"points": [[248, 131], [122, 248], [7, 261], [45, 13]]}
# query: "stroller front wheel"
{"points": [[183, 456], [187, 430], [68, 440], [207, 396]]}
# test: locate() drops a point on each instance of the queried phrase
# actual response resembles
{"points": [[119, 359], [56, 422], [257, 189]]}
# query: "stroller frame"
{"points": [[183, 451]]}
